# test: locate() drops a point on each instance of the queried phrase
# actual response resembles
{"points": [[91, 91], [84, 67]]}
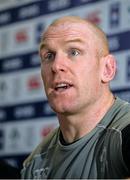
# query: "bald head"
{"points": [[70, 19], [97, 33]]}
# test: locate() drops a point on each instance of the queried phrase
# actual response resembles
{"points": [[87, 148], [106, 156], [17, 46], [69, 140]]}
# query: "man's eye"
{"points": [[74, 52], [49, 56]]}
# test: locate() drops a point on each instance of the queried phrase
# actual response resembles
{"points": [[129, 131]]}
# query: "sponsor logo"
{"points": [[14, 138], [85, 1], [12, 64], [114, 43], [21, 36], [58, 4], [29, 11], [47, 129], [5, 18], [128, 10], [34, 83], [35, 60], [3, 115], [30, 132], [17, 87], [3, 90], [38, 32], [4, 42], [47, 110], [1, 139], [95, 17], [128, 69], [24, 112], [114, 15], [21, 40]]}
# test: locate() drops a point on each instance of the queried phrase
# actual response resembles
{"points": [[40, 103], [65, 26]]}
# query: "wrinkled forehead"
{"points": [[77, 28], [71, 29]]}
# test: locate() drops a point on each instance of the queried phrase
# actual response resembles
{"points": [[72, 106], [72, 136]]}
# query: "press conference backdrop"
{"points": [[25, 116]]}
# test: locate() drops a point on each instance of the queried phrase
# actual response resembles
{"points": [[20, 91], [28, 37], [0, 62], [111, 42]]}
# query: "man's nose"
{"points": [[59, 63]]}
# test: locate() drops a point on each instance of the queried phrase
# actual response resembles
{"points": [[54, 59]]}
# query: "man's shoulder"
{"points": [[121, 114], [124, 107], [43, 146]]}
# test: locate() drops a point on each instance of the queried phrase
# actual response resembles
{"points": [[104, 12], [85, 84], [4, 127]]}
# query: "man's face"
{"points": [[70, 68]]}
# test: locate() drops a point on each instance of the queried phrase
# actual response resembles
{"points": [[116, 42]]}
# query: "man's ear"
{"points": [[108, 68]]}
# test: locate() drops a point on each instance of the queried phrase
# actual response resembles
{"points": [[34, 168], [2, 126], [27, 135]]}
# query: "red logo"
{"points": [[34, 83], [21, 36], [46, 130], [94, 17]]}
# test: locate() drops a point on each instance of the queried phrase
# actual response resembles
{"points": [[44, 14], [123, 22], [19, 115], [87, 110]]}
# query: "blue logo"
{"points": [[114, 16], [1, 139], [38, 33], [128, 69]]}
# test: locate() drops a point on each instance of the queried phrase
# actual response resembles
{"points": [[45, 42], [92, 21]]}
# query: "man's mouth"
{"points": [[62, 86]]}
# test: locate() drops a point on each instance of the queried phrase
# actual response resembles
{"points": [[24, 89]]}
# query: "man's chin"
{"points": [[64, 110]]}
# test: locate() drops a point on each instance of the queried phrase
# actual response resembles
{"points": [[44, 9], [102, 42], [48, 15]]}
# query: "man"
{"points": [[92, 140]]}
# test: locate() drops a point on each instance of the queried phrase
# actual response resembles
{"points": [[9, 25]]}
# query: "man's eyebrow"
{"points": [[43, 45], [46, 46], [75, 40]]}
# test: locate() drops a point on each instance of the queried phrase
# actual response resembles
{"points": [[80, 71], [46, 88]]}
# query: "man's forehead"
{"points": [[46, 43], [71, 28], [66, 33]]}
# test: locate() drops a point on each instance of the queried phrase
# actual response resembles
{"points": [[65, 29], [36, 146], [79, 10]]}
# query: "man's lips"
{"points": [[61, 86]]}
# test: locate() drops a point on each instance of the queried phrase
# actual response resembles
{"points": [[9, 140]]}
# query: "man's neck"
{"points": [[76, 126]]}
